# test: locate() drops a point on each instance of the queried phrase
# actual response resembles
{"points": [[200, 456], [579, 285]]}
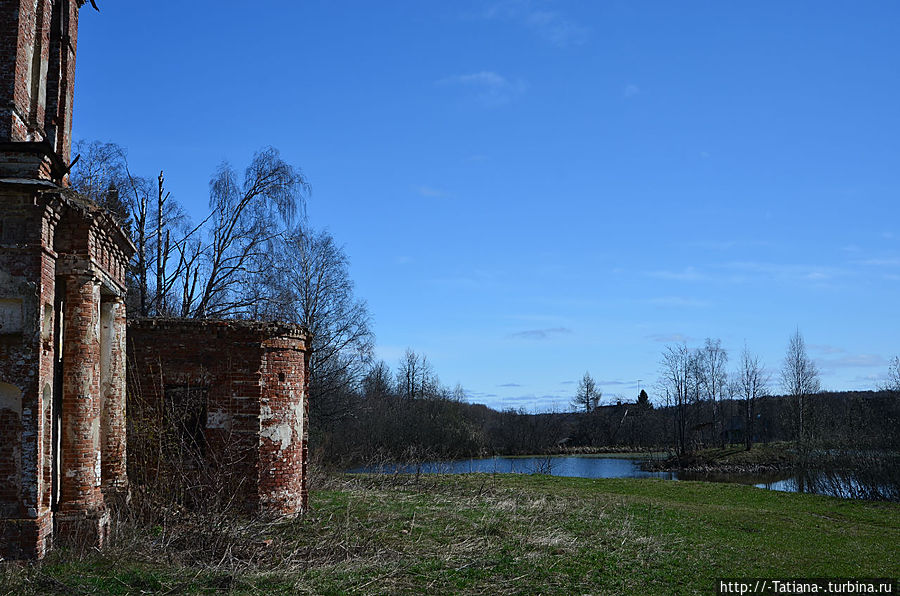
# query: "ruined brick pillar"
{"points": [[282, 426], [114, 475], [82, 517]]}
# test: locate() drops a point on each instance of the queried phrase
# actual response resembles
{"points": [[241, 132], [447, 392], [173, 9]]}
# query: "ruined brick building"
{"points": [[62, 317], [234, 391], [63, 367]]}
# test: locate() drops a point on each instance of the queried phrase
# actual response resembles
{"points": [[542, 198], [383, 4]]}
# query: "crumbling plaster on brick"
{"points": [[51, 239], [254, 374]]}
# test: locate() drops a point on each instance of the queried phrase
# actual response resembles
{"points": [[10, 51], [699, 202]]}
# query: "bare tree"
{"points": [[378, 382], [800, 379], [308, 282], [751, 383], [587, 396], [103, 175], [415, 376], [711, 362], [678, 380], [172, 236], [98, 173], [158, 225], [893, 377], [246, 217]]}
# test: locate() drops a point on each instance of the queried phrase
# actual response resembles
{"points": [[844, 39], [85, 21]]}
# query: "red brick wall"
{"points": [[38, 43], [37, 68], [27, 282], [254, 376], [34, 224]]}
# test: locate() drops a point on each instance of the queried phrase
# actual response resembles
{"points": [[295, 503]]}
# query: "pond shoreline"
{"points": [[761, 459]]}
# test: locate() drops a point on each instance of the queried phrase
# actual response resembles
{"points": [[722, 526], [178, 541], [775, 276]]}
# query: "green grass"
{"points": [[494, 534]]}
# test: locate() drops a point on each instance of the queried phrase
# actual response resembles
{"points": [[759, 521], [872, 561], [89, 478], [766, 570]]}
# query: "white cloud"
{"points": [[432, 193], [540, 334], [826, 349], [747, 270], [686, 274], [889, 262], [550, 25], [670, 338], [489, 88], [678, 302], [857, 360]]}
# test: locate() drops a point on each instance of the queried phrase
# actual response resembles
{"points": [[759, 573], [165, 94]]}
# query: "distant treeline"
{"points": [[382, 421]]}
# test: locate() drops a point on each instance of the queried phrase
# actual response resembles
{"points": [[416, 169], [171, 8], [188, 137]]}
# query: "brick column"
{"points": [[82, 517], [112, 377], [282, 427]]}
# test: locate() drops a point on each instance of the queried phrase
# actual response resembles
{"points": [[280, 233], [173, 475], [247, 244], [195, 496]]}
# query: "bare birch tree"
{"points": [[307, 281], [800, 379], [678, 382], [751, 383], [246, 216], [712, 360]]}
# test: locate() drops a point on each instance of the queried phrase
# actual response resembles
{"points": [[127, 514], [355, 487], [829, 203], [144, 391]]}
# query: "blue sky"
{"points": [[529, 189]]}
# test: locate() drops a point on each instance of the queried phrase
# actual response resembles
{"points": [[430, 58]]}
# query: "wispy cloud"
{"points": [[686, 274], [826, 349], [630, 91], [536, 403], [476, 395], [541, 334], [550, 25], [678, 302], [888, 262], [855, 361], [747, 270], [488, 88], [474, 279], [432, 193], [741, 272], [509, 385], [668, 338], [831, 365], [568, 383]]}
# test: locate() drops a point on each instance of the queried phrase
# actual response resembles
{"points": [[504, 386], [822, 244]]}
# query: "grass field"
{"points": [[498, 534]]}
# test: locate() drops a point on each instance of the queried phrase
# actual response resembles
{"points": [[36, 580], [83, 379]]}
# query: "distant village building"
{"points": [[63, 264]]}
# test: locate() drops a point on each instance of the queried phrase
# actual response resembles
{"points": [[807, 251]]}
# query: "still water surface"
{"points": [[599, 467]]}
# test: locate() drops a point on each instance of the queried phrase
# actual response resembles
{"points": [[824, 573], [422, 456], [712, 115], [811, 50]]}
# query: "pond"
{"points": [[839, 485]]}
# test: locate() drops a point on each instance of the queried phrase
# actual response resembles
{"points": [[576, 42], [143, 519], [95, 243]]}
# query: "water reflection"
{"points": [[577, 467]]}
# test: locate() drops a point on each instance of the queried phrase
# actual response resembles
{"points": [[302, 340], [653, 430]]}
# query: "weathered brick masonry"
{"points": [[62, 279], [63, 332], [38, 43], [250, 386], [62, 366]]}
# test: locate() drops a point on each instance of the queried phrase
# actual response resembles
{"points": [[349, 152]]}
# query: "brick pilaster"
{"points": [[82, 515]]}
